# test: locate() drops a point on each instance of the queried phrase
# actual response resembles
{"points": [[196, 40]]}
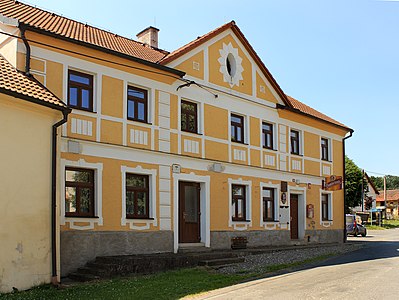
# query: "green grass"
{"points": [[167, 285], [387, 224]]}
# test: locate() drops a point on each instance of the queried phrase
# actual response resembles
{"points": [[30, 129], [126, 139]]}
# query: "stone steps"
{"points": [[221, 262]]}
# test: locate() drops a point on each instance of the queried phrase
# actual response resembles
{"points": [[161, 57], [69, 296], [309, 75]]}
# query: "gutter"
{"points": [[344, 178], [22, 28], [54, 279]]}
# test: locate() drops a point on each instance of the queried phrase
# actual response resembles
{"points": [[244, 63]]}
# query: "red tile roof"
{"points": [[391, 195], [78, 31], [15, 83], [298, 105]]}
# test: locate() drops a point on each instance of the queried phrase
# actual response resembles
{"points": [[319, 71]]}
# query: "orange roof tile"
{"points": [[78, 31], [391, 195], [14, 82], [303, 108]]}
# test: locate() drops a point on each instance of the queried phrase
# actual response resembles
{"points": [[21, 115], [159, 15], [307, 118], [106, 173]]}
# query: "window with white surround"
{"points": [[237, 128], [269, 205], [81, 200], [326, 208], [295, 142], [138, 197], [325, 149], [268, 135], [240, 204]]}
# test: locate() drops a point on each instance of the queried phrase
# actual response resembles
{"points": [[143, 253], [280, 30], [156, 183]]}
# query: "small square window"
{"points": [[80, 90], [237, 128], [137, 104], [189, 117]]}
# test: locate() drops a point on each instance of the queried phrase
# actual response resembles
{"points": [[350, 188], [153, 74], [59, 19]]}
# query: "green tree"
{"points": [[392, 182], [353, 184]]}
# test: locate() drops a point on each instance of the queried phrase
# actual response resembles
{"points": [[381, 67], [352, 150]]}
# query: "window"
{"points": [[267, 134], [295, 142], [79, 192], [80, 90], [325, 209], [189, 116], [324, 149], [237, 128], [268, 204], [239, 202], [137, 104], [137, 196]]}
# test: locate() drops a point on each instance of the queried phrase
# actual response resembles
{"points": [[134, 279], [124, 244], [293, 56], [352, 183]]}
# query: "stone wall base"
{"points": [[79, 247]]}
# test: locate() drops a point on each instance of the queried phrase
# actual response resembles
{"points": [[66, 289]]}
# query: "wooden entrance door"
{"points": [[189, 212], [294, 216]]}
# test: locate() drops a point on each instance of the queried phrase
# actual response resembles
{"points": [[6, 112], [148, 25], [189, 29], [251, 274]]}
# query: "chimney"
{"points": [[149, 36]]}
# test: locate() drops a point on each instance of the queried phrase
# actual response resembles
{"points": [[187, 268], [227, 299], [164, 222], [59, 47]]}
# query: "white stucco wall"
{"points": [[25, 193]]}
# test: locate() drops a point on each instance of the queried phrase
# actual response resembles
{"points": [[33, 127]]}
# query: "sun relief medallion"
{"points": [[230, 65]]}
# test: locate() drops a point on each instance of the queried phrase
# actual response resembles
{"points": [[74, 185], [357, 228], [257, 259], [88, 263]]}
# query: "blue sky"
{"points": [[338, 56]]}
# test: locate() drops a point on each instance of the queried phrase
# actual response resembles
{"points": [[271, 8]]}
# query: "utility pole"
{"points": [[362, 190], [385, 197]]}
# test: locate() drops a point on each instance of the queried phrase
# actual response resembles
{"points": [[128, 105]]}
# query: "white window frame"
{"points": [[275, 135], [329, 222], [246, 128], [276, 188], [240, 225], [98, 219], [150, 104], [329, 145], [137, 224], [200, 109], [301, 144]]}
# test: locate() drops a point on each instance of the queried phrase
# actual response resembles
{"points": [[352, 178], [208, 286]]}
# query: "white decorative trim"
{"points": [[152, 173], [191, 146], [276, 188], [238, 225], [326, 170], [330, 208], [138, 137], [239, 154], [296, 165], [301, 192], [83, 127], [228, 51], [270, 160], [98, 169], [205, 196]]}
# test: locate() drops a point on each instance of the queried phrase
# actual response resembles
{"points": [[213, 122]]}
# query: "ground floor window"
{"points": [[238, 202], [325, 207], [137, 196], [268, 204], [79, 192]]}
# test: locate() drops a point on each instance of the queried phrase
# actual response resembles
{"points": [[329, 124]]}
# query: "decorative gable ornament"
{"points": [[230, 65]]}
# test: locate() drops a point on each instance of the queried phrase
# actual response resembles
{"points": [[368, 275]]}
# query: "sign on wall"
{"points": [[333, 183]]}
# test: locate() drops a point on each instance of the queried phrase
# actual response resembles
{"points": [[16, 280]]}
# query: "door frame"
{"points": [[197, 185], [204, 182], [301, 192]]}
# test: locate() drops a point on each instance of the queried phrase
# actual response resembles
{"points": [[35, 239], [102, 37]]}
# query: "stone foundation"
{"points": [[79, 247]]}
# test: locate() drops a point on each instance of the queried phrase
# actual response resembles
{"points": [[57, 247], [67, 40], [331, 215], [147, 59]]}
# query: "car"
{"points": [[354, 226]]}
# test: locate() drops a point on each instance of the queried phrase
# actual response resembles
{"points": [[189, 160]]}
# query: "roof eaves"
{"points": [[103, 49]]}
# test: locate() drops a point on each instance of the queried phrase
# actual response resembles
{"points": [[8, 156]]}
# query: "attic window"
{"points": [[231, 64]]}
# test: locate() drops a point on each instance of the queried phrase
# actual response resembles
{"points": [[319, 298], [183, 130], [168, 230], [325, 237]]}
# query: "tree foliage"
{"points": [[353, 184], [391, 181]]}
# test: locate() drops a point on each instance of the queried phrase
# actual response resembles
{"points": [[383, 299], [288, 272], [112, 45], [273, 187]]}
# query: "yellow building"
{"points": [[28, 112], [183, 149]]}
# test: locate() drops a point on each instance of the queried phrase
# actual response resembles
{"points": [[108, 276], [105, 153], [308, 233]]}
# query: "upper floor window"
{"points": [[268, 204], [189, 117], [324, 149], [267, 135], [294, 142], [137, 104], [79, 192], [237, 128], [137, 196], [239, 202], [80, 90]]}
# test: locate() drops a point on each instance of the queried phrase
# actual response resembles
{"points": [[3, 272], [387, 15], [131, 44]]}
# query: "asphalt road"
{"points": [[369, 273]]}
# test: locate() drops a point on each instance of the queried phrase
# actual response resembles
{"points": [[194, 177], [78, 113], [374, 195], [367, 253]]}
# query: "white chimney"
{"points": [[149, 36]]}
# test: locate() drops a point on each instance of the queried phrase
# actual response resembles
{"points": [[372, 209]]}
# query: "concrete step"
{"points": [[83, 277], [221, 261]]}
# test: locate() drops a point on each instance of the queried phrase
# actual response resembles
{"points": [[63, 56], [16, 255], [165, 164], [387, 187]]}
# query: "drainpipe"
{"points": [[344, 178], [27, 46], [54, 279]]}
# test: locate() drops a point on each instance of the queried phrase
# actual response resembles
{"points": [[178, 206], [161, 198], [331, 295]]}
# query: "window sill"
{"points": [[138, 121], [191, 133], [271, 221], [139, 219], [240, 143], [82, 109], [327, 160], [81, 217], [301, 155], [241, 221], [270, 149]]}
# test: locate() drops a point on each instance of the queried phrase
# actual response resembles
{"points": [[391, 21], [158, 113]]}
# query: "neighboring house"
{"points": [[390, 202], [182, 149], [28, 112], [369, 198]]}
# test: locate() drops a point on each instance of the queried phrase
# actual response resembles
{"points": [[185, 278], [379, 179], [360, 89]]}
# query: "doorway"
{"points": [[189, 212], [294, 216]]}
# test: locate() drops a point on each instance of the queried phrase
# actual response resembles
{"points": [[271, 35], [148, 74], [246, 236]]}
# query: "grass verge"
{"points": [[387, 224], [167, 285]]}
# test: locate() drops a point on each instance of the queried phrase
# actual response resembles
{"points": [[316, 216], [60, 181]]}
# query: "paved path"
{"points": [[369, 273]]}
